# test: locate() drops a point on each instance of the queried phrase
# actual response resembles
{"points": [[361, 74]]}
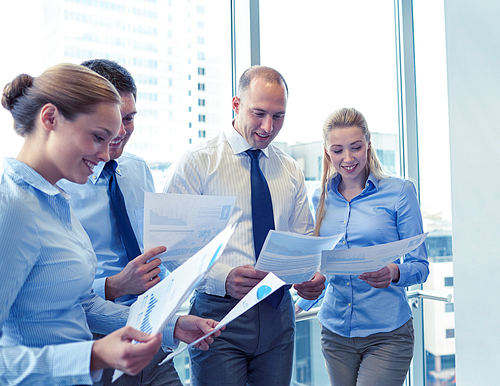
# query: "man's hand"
{"points": [[190, 328], [242, 279], [383, 277], [311, 289], [117, 351], [137, 277]]}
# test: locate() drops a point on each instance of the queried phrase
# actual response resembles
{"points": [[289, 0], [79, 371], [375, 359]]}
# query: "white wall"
{"points": [[473, 57]]}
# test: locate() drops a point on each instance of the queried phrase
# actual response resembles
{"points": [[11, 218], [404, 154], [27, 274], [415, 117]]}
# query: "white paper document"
{"points": [[292, 257], [356, 261], [184, 223], [261, 291], [154, 308]]}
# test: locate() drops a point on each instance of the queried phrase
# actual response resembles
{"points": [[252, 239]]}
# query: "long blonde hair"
{"points": [[344, 118]]}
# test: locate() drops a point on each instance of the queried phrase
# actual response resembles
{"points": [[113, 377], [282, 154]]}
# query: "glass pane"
{"points": [[332, 54], [435, 190], [177, 51]]}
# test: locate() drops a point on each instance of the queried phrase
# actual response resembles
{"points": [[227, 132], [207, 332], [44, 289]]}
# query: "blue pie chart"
{"points": [[262, 291]]}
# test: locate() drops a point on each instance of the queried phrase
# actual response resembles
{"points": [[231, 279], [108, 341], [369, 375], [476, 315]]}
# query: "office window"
{"points": [[448, 281], [449, 307], [201, 134], [201, 118], [201, 102], [201, 86], [201, 71], [450, 333]]}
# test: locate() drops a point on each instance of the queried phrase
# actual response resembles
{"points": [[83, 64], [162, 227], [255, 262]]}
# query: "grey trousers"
{"points": [[255, 349], [379, 359]]}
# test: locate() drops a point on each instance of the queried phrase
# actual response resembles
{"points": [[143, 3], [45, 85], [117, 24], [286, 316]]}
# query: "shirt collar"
{"points": [[22, 173], [98, 171], [238, 143], [371, 182]]}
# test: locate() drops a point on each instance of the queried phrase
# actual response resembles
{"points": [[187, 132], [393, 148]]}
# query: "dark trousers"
{"points": [[254, 349]]}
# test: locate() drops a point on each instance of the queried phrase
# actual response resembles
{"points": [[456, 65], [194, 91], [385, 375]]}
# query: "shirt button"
{"points": [[349, 304], [343, 242], [345, 222], [347, 204], [94, 177], [348, 284]]}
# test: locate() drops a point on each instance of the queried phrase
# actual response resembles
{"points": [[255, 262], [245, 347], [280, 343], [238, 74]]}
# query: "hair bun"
{"points": [[15, 89]]}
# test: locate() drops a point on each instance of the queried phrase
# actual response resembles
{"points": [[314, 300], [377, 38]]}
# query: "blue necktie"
{"points": [[118, 205], [262, 215]]}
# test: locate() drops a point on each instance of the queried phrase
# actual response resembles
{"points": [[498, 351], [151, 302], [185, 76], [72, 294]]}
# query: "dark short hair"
{"points": [[115, 73]]}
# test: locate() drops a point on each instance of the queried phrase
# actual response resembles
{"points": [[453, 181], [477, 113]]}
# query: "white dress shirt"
{"points": [[220, 167]]}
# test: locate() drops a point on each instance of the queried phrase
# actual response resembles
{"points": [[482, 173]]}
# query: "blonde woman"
{"points": [[367, 332]]}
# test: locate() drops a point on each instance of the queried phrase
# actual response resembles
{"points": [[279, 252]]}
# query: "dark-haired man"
{"points": [[122, 272]]}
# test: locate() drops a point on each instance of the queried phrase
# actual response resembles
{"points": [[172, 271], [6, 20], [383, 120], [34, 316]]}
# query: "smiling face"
{"points": [[75, 147], [347, 150], [260, 113], [128, 111]]}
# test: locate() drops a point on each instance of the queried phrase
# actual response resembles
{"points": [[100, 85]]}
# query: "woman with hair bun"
{"points": [[68, 115], [367, 331]]}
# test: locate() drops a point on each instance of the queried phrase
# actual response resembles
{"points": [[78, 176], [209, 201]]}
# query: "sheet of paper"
{"points": [[292, 257], [266, 287], [154, 308], [184, 223], [356, 261]]}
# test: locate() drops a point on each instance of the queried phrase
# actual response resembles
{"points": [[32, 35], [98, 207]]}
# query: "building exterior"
{"points": [[172, 49]]}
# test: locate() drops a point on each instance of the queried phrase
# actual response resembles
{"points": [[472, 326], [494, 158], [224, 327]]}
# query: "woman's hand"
{"points": [[117, 351], [311, 289], [383, 277]]}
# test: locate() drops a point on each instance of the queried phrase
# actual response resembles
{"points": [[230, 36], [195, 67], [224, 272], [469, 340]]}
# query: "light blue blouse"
{"points": [[386, 210], [47, 306]]}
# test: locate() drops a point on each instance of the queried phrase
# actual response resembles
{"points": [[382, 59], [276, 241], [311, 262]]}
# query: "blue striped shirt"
{"points": [[386, 210], [220, 167], [47, 306], [90, 202]]}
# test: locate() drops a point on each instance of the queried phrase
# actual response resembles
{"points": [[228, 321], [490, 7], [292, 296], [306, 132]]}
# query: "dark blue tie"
{"points": [[118, 204], [262, 215]]}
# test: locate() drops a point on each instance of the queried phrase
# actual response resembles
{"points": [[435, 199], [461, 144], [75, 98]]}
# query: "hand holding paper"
{"points": [[154, 308], [261, 291], [357, 261], [311, 289], [190, 328], [241, 280], [292, 257]]}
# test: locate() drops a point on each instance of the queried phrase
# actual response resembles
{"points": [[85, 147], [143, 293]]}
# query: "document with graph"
{"points": [[261, 291], [154, 308], [294, 258], [355, 261], [184, 223]]}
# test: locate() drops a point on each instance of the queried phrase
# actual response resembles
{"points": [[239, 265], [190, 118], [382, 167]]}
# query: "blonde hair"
{"points": [[344, 118], [72, 88]]}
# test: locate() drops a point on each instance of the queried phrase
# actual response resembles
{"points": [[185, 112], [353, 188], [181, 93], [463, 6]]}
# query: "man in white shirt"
{"points": [[256, 348]]}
